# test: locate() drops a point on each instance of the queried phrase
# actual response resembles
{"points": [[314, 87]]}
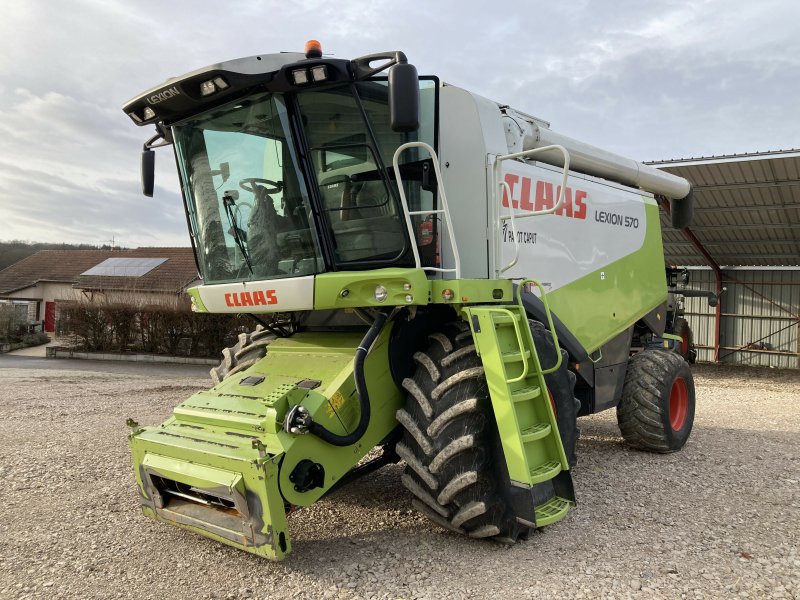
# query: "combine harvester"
{"points": [[382, 227]]}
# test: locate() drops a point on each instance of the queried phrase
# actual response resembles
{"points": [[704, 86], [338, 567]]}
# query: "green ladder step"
{"points": [[535, 432], [526, 393], [503, 319], [551, 511], [545, 471], [515, 355]]}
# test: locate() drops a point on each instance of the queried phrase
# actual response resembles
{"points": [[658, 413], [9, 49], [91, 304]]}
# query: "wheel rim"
{"points": [[552, 402], [684, 344], [678, 404]]}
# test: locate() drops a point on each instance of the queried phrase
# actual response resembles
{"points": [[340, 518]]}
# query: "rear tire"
{"points": [[656, 412], [251, 347], [686, 347]]}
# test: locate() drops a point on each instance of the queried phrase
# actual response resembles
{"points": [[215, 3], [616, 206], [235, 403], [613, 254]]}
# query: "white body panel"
{"points": [[597, 225], [473, 132], [271, 295], [470, 129]]}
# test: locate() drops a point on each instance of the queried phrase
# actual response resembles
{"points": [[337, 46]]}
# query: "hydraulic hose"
{"points": [[361, 389]]}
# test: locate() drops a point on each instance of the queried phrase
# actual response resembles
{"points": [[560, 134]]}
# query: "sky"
{"points": [[649, 80]]}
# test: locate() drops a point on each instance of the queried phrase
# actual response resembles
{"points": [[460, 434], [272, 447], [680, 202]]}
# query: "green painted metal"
{"points": [[353, 289], [598, 306], [525, 419], [196, 300], [483, 291], [228, 442]]}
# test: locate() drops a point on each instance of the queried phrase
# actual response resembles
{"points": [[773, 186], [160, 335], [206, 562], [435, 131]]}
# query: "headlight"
{"points": [[381, 294], [300, 76], [319, 73]]}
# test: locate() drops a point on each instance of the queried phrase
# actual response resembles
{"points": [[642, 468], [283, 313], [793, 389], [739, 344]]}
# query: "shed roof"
{"points": [[747, 209], [66, 266]]}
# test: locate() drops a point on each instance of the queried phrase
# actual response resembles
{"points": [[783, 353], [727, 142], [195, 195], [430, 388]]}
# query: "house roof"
{"points": [[747, 209], [67, 266]]}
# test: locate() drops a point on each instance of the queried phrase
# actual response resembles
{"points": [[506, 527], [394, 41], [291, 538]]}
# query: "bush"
{"points": [[9, 324], [118, 326], [35, 339]]}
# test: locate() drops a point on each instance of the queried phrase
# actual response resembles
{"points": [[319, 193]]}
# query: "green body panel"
{"points": [[353, 289], [472, 290], [598, 306], [196, 300], [228, 442]]}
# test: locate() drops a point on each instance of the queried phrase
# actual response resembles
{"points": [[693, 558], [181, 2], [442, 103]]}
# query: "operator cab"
{"points": [[286, 176]]}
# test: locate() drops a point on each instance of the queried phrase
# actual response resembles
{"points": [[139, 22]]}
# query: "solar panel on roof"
{"points": [[124, 267]]}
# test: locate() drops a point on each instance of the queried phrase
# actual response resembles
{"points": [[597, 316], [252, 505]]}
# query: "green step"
{"points": [[503, 319], [545, 471], [551, 511], [526, 393], [535, 432], [515, 355]]}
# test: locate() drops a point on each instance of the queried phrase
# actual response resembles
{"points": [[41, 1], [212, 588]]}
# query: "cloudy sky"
{"points": [[651, 80]]}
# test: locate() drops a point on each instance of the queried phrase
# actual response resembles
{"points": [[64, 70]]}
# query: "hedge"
{"points": [[154, 329]]}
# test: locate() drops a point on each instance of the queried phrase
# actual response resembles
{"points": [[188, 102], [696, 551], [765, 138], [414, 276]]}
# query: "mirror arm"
{"points": [[151, 143], [362, 70]]}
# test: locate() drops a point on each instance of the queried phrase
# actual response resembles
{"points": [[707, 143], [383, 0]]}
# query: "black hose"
{"points": [[361, 389]]}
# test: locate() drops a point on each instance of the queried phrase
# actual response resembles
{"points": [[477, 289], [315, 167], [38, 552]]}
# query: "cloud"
{"points": [[647, 80]]}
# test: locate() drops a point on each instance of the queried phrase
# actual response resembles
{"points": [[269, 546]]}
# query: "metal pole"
{"points": [[687, 233]]}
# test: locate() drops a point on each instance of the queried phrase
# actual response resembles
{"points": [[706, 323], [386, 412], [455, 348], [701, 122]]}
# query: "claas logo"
{"points": [[546, 197], [257, 298]]}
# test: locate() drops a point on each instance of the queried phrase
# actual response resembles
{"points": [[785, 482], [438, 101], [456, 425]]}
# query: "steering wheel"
{"points": [[267, 186]]}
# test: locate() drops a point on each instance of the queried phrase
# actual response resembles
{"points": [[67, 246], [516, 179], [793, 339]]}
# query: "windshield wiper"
{"points": [[229, 202]]}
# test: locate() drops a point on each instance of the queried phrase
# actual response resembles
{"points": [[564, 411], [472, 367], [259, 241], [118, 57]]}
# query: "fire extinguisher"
{"points": [[425, 231]]}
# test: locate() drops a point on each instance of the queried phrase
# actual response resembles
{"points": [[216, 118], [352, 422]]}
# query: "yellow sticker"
{"points": [[335, 403]]}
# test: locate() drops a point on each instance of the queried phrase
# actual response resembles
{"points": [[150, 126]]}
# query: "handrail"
{"points": [[520, 343], [445, 210], [535, 213], [553, 333], [507, 189]]}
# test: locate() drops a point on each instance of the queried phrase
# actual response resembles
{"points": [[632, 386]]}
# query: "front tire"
{"points": [[656, 412], [561, 387], [251, 347], [450, 444]]}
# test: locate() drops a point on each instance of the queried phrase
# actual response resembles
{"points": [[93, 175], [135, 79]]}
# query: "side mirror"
{"points": [[148, 172], [404, 97]]}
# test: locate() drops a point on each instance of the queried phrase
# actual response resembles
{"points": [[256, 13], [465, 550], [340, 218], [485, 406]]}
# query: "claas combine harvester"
{"points": [[438, 279]]}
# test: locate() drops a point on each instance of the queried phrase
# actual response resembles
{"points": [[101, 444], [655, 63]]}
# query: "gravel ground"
{"points": [[719, 519]]}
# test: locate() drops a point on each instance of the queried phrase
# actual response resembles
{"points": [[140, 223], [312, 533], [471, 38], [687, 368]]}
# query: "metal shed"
{"points": [[745, 244]]}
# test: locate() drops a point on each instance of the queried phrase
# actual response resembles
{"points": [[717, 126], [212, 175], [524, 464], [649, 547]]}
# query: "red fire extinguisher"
{"points": [[425, 231]]}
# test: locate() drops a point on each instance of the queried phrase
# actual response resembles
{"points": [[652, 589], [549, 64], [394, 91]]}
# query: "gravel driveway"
{"points": [[719, 519]]}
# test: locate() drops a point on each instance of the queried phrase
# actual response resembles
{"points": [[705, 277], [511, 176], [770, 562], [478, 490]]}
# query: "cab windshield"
{"points": [[248, 205], [250, 208]]}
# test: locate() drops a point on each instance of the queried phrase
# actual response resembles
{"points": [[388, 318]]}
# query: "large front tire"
{"points": [[656, 412], [561, 387], [251, 347], [455, 466], [450, 443]]}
